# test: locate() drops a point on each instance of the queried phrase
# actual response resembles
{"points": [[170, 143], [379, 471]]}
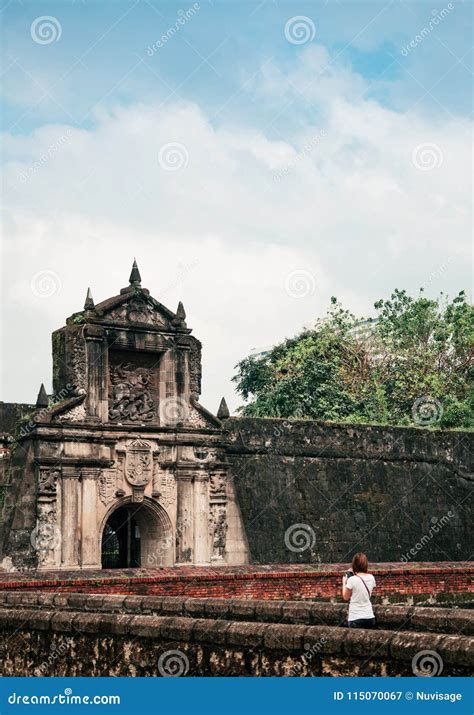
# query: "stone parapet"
{"points": [[408, 618], [113, 644]]}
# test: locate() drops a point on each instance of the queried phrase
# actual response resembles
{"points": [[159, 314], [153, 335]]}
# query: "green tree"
{"points": [[412, 364]]}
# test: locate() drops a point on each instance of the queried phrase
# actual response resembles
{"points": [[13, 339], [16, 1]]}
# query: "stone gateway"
{"points": [[125, 468], [122, 467]]}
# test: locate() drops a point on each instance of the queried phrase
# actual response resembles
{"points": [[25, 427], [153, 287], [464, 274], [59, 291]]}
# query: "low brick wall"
{"points": [[73, 643], [418, 583]]}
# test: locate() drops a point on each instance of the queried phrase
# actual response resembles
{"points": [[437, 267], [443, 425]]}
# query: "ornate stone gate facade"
{"points": [[129, 432]]}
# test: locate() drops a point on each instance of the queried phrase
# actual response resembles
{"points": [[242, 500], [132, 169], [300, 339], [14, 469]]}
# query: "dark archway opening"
{"points": [[121, 541]]}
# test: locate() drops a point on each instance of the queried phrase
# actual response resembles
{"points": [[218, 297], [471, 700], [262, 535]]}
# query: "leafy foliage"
{"points": [[376, 370]]}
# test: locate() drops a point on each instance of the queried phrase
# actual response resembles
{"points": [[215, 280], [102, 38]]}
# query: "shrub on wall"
{"points": [[411, 364]]}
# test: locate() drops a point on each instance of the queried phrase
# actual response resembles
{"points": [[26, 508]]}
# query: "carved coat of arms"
{"points": [[138, 463]]}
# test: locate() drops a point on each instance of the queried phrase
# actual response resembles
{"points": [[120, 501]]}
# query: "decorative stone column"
{"points": [[89, 556], [201, 517], [185, 518], [70, 509], [97, 373]]}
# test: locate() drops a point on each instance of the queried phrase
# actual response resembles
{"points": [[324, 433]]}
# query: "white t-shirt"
{"points": [[360, 605]]}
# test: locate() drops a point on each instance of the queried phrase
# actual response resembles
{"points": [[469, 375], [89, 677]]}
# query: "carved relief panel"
{"points": [[107, 485], [46, 536], [164, 482], [218, 530], [218, 514], [133, 387], [137, 310]]}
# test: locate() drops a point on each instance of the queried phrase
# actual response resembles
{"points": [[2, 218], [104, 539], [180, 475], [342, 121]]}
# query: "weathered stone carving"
{"points": [[138, 463], [130, 395], [47, 480], [75, 414], [46, 537], [107, 485], [137, 310], [195, 419], [204, 454], [218, 530], [217, 485], [138, 467], [195, 368], [78, 363], [166, 488]]}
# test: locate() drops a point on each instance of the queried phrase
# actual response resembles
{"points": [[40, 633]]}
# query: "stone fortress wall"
{"points": [[316, 492]]}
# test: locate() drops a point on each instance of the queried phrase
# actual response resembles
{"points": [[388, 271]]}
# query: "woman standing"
{"points": [[357, 587]]}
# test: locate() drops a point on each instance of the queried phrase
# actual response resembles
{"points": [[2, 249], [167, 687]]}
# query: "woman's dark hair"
{"points": [[360, 563]]}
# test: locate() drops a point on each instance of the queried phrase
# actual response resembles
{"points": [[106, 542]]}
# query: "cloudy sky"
{"points": [[255, 157]]}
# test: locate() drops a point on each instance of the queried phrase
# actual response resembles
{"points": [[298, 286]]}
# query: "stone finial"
{"points": [[180, 312], [179, 320], [223, 411], [42, 399], [89, 304], [135, 277]]}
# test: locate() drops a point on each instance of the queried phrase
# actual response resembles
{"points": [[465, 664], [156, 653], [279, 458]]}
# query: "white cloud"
{"points": [[224, 233]]}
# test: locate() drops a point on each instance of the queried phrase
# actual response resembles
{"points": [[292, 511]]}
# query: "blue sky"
{"points": [[96, 62], [335, 161]]}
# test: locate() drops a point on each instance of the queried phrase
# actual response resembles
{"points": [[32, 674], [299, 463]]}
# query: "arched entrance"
{"points": [[121, 540], [137, 535]]}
